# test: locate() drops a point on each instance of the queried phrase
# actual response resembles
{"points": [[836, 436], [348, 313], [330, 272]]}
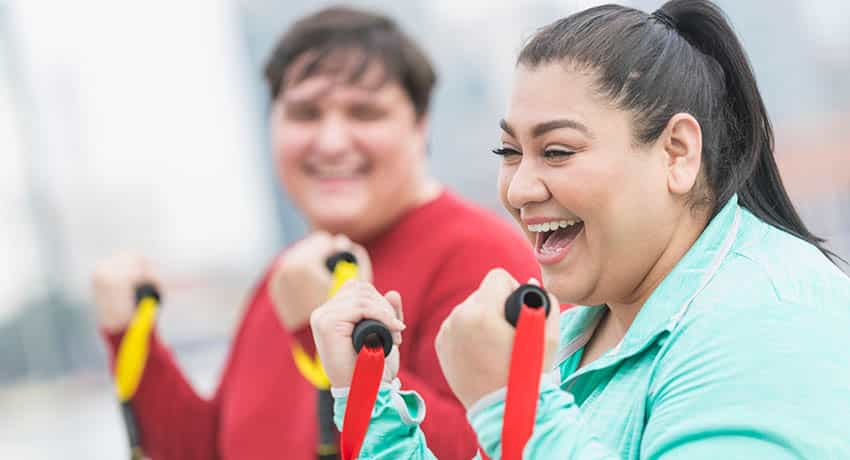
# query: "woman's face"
{"points": [[596, 206], [350, 155]]}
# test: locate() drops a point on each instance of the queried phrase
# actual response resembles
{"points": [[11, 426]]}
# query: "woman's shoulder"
{"points": [[769, 265], [771, 288], [765, 318], [750, 289], [765, 307]]}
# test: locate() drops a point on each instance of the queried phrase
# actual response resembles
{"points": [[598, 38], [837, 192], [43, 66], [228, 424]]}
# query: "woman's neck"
{"points": [[688, 230]]}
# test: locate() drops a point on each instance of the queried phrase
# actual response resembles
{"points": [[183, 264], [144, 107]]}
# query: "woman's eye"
{"points": [[509, 156], [505, 152], [557, 153]]}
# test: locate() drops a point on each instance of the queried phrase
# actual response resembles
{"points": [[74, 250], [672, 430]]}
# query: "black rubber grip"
{"points": [[373, 334], [527, 294], [339, 257], [328, 434], [130, 424], [146, 290]]}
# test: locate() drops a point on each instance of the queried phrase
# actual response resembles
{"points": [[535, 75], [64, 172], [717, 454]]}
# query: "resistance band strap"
{"points": [[343, 268], [131, 358], [133, 349], [523, 383], [342, 272], [368, 371], [311, 369]]}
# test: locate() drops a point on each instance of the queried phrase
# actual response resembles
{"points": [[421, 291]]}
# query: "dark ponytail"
{"points": [[684, 57], [756, 179]]}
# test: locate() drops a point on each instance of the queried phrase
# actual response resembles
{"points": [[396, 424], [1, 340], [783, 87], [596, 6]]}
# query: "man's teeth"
{"points": [[335, 175], [554, 225]]}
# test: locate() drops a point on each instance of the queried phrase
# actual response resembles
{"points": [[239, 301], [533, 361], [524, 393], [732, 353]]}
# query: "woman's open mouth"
{"points": [[555, 238]]}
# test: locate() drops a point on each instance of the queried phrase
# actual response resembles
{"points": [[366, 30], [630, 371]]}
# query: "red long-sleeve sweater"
{"points": [[435, 256]]}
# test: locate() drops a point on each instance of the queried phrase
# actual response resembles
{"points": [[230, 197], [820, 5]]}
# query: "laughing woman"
{"points": [[716, 324]]}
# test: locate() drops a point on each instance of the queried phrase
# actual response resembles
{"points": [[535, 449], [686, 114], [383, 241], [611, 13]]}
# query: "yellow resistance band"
{"points": [[309, 367], [133, 350]]}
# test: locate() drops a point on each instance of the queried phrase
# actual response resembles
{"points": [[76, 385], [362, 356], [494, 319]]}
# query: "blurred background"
{"points": [[142, 125]]}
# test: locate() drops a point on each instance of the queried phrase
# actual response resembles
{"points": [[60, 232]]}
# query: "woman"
{"points": [[349, 125], [720, 326]]}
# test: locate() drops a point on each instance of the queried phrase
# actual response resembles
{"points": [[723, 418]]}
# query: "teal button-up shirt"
{"points": [[743, 351]]}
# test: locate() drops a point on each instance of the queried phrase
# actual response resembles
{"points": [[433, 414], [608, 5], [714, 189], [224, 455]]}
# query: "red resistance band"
{"points": [[368, 371], [523, 383], [523, 375]]}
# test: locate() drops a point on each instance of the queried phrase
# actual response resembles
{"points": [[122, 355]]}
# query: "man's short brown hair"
{"points": [[343, 40]]}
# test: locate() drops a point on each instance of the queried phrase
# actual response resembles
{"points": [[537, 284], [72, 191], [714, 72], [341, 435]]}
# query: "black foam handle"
{"points": [[146, 290], [339, 257], [527, 294], [373, 334], [130, 425]]}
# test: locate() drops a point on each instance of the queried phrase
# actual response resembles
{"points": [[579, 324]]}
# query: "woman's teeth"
{"points": [[553, 225]]}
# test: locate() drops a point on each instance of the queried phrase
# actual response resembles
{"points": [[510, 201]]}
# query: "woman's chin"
{"points": [[567, 292]]}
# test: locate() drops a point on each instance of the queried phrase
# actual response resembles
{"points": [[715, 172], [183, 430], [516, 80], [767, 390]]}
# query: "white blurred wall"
{"points": [[143, 135]]}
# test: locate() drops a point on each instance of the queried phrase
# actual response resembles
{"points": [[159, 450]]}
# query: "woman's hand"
{"points": [[474, 343], [333, 324]]}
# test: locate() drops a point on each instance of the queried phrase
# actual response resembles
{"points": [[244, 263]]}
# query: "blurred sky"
{"points": [[143, 125]]}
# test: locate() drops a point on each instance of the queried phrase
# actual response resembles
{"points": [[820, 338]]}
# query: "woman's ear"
{"points": [[682, 143]]}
